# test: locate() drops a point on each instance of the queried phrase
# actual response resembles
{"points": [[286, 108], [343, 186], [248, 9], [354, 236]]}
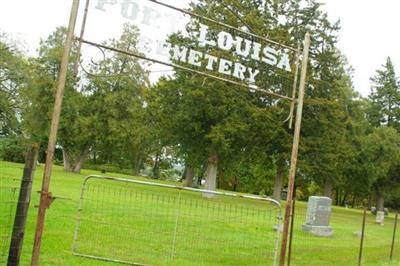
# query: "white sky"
{"points": [[370, 33], [369, 28]]}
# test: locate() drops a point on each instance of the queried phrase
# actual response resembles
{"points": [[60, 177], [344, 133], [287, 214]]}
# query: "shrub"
{"points": [[12, 149]]}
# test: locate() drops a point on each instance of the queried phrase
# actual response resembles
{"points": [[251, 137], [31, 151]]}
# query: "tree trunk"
{"points": [[344, 199], [200, 175], [337, 197], [94, 157], [196, 181], [66, 161], [380, 201], [183, 175], [235, 183], [278, 181], [189, 175], [353, 204], [369, 202], [137, 163], [72, 165], [79, 164], [156, 166], [328, 188], [211, 175]]}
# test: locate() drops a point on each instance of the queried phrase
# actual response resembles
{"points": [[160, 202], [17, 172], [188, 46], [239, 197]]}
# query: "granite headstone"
{"points": [[318, 216]]}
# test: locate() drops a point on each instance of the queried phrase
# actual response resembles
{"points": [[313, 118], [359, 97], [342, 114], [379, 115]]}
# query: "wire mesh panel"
{"points": [[151, 224], [378, 240], [341, 249], [396, 242], [9, 191]]}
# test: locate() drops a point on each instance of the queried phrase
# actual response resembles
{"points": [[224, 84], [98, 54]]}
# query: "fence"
{"points": [[379, 239], [60, 219], [9, 191], [15, 195], [135, 222], [343, 247], [144, 223]]}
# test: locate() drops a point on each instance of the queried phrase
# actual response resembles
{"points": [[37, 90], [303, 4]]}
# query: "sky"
{"points": [[368, 36]]}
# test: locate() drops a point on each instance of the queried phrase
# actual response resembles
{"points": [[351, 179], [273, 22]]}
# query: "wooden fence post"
{"points": [[24, 199], [45, 195]]}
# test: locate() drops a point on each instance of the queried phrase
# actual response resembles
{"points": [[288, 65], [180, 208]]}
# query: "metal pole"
{"points": [[291, 231], [192, 14], [394, 236], [83, 27], [45, 195], [362, 238], [139, 56], [296, 74], [295, 149], [24, 200]]}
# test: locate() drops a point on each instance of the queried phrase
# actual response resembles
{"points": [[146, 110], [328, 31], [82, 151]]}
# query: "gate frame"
{"points": [[179, 188], [46, 196]]}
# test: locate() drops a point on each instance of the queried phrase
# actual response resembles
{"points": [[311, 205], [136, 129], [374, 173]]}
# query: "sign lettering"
{"points": [[206, 43]]}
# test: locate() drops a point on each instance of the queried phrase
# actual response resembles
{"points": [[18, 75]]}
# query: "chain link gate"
{"points": [[143, 223]]}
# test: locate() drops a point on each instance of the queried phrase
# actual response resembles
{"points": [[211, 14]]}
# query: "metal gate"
{"points": [[144, 223]]}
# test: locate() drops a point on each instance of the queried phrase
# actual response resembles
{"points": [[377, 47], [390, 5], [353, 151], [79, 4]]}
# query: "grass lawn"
{"points": [[138, 223]]}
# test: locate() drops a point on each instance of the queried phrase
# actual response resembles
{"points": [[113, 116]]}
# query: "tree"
{"points": [[381, 149], [327, 77], [208, 124], [322, 142], [75, 135], [384, 115], [104, 114], [385, 97], [13, 78], [329, 90], [13, 74], [331, 117], [117, 96], [353, 173]]}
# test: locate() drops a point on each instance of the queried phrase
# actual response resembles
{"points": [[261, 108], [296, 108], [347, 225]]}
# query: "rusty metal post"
{"points": [[394, 236], [362, 238], [291, 231], [24, 200], [296, 74], [83, 27], [295, 149], [45, 195]]}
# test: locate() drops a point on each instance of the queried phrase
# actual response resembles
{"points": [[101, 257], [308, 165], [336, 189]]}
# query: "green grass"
{"points": [[137, 222]]}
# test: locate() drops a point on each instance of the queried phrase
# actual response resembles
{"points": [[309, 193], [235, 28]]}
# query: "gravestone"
{"points": [[358, 234], [318, 216], [374, 210], [277, 227], [284, 194], [380, 217], [386, 211]]}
